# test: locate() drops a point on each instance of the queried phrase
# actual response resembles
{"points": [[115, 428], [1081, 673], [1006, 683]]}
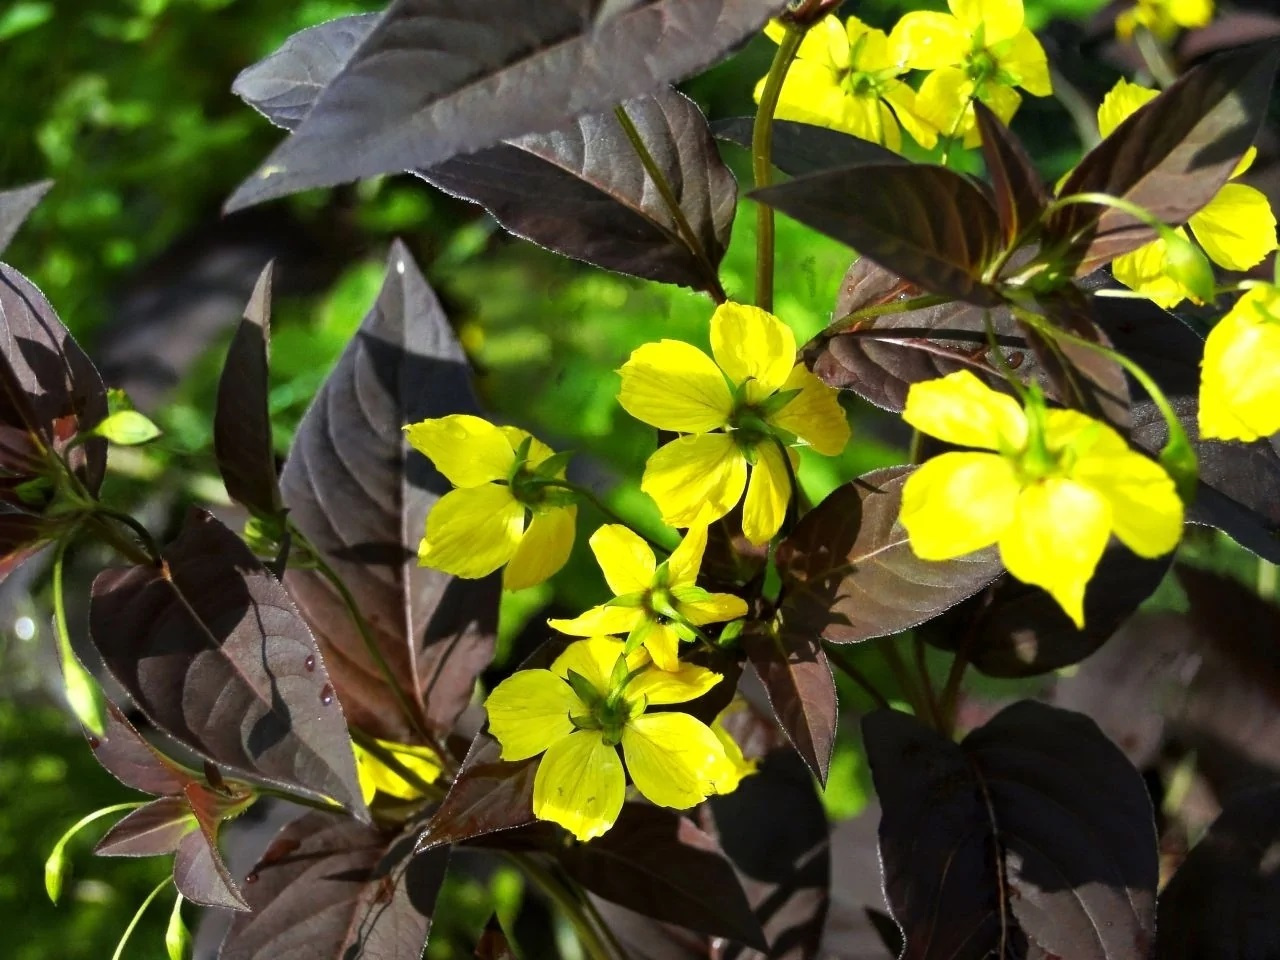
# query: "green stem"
{"points": [[762, 159], [122, 545], [569, 904], [1155, 58], [850, 320], [672, 203], [608, 512], [930, 698], [598, 921], [906, 685], [848, 667], [133, 924]]}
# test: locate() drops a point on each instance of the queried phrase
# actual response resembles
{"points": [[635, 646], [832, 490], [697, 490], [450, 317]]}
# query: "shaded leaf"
{"points": [[796, 676], [1014, 629], [439, 78], [800, 148], [489, 795], [1170, 157], [928, 224], [361, 496], [774, 830], [49, 389], [849, 574], [329, 887], [644, 938], [152, 830], [214, 652], [1225, 897], [16, 205], [242, 418], [1020, 194], [1032, 835], [284, 87], [126, 755], [656, 862], [879, 358], [583, 191]]}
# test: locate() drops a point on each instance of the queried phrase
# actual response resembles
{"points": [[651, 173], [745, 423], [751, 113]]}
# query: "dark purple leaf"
{"points": [[796, 676], [199, 872], [774, 829], [48, 387], [242, 419], [879, 358], [1034, 836], [361, 497], [493, 943], [1013, 629], [1224, 899], [928, 224], [329, 888], [656, 862], [214, 652], [16, 205], [800, 148], [284, 87], [1020, 194], [126, 755], [150, 831], [1170, 157], [849, 574], [439, 78], [489, 795], [583, 191], [644, 938], [1233, 28]]}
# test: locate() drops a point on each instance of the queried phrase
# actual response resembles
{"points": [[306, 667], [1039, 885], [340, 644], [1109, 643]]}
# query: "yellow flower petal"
{"points": [[625, 559], [469, 451], [1190, 13], [376, 777], [961, 409], [944, 102], [874, 53], [716, 608], [1023, 58], [1239, 389], [1236, 228], [594, 659], [538, 451], [686, 559], [1246, 161], [529, 711], [1143, 270], [695, 480], [1146, 512], [1000, 19], [957, 503], [903, 101], [1122, 101], [543, 550], [472, 531], [660, 687], [824, 43], [1059, 531], [600, 621], [580, 785], [674, 760], [814, 414], [767, 494], [1001, 100], [925, 40], [663, 645], [750, 344], [810, 94], [742, 767], [673, 385]]}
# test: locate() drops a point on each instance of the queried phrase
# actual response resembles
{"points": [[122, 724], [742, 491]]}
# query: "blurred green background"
{"points": [[126, 105]]}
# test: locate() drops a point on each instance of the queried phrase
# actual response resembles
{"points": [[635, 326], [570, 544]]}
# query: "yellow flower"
{"points": [[1240, 373], [653, 603], [503, 511], [1163, 18], [982, 50], [593, 700], [755, 395], [1056, 487], [844, 78], [377, 777], [1236, 228], [742, 767]]}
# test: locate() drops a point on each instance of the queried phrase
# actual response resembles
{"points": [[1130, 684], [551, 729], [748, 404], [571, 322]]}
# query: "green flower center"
{"points": [[749, 423], [981, 66], [860, 84]]}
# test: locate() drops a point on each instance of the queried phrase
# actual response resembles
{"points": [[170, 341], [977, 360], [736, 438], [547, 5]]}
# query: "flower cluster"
{"points": [[850, 77]]}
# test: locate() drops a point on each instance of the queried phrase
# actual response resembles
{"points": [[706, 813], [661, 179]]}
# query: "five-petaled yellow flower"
{"points": [[1057, 485], [740, 410], [1163, 18], [594, 699], [653, 603], [1240, 373], [504, 510], [1236, 228], [981, 51], [377, 777], [844, 78]]}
